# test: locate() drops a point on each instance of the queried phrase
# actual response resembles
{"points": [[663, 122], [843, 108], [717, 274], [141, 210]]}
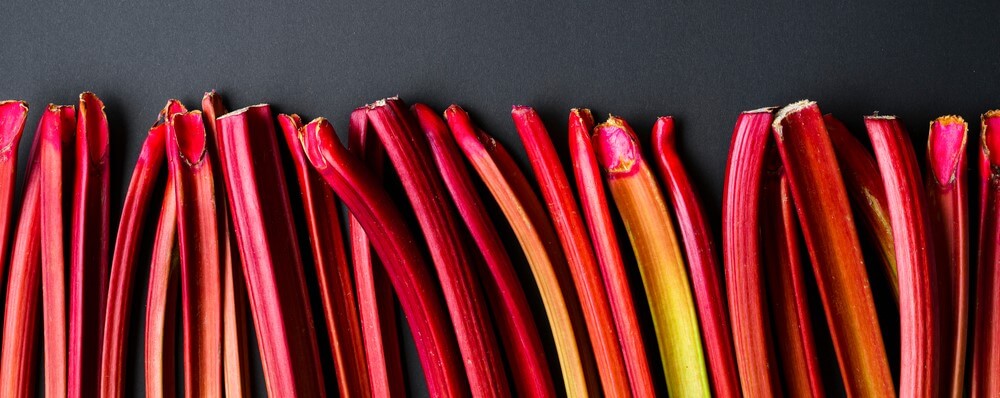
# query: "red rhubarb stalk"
{"points": [[702, 260], [583, 266], [332, 271], [518, 331], [264, 230], [594, 203], [986, 336], [198, 241], [742, 254], [828, 226], [918, 299], [947, 194], [376, 305], [161, 301], [409, 153], [57, 129], [396, 245], [12, 117]]}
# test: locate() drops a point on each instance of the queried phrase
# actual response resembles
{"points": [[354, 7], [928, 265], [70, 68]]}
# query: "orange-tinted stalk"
{"points": [[867, 193], [264, 229], [594, 204], [408, 152], [702, 260], [21, 309], [986, 336], [396, 245], [573, 236], [789, 306], [832, 241], [376, 305], [918, 299], [330, 259], [537, 236], [57, 129], [743, 257], [947, 195], [198, 242], [130, 227], [161, 301], [12, 117], [526, 355]]}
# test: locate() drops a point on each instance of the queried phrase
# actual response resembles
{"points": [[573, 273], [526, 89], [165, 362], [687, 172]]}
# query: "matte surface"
{"points": [[699, 61]]}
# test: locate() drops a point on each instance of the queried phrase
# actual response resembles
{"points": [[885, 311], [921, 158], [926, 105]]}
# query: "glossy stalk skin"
{"points": [[594, 204], [918, 299], [789, 307], [12, 117], [144, 177], [89, 241], [161, 301], [702, 260], [376, 304], [403, 260], [565, 213], [334, 275], [508, 301], [21, 307], [58, 131], [408, 152], [743, 257], [269, 251], [867, 193], [198, 242], [828, 226], [235, 358], [537, 237], [948, 201], [986, 336], [658, 254]]}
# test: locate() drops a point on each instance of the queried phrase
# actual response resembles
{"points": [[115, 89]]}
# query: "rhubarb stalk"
{"points": [[537, 236], [409, 154], [828, 226], [518, 331], [702, 260], [396, 245], [57, 129], [12, 117], [161, 301], [947, 194], [986, 336], [332, 272], [198, 242], [594, 203], [269, 250]]}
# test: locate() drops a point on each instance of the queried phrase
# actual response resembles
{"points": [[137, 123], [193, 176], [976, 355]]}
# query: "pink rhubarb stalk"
{"points": [[986, 336], [161, 301], [12, 117]]}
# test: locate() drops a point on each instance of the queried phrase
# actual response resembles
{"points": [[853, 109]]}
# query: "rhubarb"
{"points": [[986, 336], [57, 129], [144, 177], [658, 254], [396, 245], [376, 305], [702, 260], [518, 331], [332, 271], [12, 117], [161, 301], [269, 251], [832, 242], [537, 236], [867, 193], [947, 194], [594, 203], [409, 154], [743, 257], [198, 242]]}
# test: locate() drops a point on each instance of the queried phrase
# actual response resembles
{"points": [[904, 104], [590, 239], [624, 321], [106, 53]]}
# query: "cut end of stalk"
{"points": [[784, 112], [663, 131], [945, 147], [172, 107], [189, 131], [617, 147], [12, 116], [313, 135], [92, 124], [991, 137]]}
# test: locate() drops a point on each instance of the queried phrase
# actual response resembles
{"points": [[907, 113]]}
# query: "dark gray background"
{"points": [[702, 62]]}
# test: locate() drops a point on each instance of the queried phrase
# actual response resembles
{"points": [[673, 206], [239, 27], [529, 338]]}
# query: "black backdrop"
{"points": [[702, 62]]}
